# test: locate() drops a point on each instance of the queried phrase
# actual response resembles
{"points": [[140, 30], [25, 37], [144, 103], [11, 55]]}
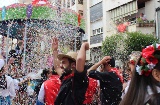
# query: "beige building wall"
{"points": [[109, 27]]}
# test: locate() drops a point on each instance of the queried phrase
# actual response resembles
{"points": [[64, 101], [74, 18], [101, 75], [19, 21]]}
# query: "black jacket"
{"points": [[73, 89]]}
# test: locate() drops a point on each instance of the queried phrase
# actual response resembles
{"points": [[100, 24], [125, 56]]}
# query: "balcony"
{"points": [[144, 27], [145, 24]]}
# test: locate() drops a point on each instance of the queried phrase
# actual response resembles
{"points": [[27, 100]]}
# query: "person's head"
{"points": [[109, 65], [146, 74], [119, 69], [46, 73], [12, 56], [68, 62], [2, 63], [141, 14]]}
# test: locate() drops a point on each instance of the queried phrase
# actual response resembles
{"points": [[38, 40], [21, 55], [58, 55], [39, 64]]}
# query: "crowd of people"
{"points": [[72, 81]]}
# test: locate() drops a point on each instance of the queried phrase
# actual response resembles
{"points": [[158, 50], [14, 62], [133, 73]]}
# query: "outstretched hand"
{"points": [[54, 43]]}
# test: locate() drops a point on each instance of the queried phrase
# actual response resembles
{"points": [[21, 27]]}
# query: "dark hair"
{"points": [[71, 61], [138, 88], [112, 62], [44, 73], [12, 53], [89, 65], [2, 69], [54, 71]]}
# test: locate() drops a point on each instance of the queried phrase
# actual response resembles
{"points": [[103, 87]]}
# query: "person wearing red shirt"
{"points": [[50, 89]]}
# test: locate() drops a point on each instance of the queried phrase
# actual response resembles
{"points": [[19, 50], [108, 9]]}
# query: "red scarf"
{"points": [[117, 73], [68, 76]]}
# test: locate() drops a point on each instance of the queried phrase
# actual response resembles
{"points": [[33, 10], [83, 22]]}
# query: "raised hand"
{"points": [[86, 45], [54, 44], [105, 60]]}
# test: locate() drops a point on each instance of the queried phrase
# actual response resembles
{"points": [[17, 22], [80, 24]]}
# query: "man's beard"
{"points": [[67, 71]]}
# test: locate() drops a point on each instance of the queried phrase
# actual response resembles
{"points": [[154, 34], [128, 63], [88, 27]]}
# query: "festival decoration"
{"points": [[148, 60], [41, 11], [29, 11], [3, 13], [39, 2], [133, 60], [122, 27], [46, 21]]}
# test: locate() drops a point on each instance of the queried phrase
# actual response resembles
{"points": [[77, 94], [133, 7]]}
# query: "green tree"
{"points": [[122, 44]]}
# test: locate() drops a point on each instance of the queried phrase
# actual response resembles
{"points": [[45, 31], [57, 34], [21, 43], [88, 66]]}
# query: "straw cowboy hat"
{"points": [[70, 55]]}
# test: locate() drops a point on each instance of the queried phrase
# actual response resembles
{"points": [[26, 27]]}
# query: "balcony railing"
{"points": [[147, 28], [143, 23]]}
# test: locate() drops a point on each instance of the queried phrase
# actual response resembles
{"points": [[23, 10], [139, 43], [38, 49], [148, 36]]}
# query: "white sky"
{"points": [[7, 2]]}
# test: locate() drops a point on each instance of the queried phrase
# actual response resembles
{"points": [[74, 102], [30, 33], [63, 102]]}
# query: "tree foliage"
{"points": [[122, 44]]}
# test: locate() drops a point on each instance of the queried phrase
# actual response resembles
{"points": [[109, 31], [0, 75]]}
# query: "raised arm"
{"points": [[81, 58], [106, 59], [55, 53]]}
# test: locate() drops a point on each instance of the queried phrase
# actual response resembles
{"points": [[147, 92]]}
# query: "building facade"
{"points": [[107, 17]]}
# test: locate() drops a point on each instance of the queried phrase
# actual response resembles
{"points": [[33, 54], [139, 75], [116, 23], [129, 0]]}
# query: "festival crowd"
{"points": [[73, 81]]}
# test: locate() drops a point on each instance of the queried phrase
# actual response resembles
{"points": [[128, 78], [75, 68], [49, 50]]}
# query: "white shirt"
{"points": [[10, 91], [16, 82], [150, 92], [126, 89], [41, 94]]}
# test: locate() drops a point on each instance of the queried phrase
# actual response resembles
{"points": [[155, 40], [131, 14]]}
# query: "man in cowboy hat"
{"points": [[70, 67]]}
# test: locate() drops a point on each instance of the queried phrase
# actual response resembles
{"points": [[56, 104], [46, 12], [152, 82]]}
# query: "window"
{"points": [[94, 32], [80, 12], [98, 31], [80, 2], [101, 29], [96, 12], [68, 4], [96, 39], [142, 5], [73, 2]]}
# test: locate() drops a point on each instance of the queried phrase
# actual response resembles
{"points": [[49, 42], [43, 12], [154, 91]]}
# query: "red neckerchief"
{"points": [[68, 76], [117, 73]]}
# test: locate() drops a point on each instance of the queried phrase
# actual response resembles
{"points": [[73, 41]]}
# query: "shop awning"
{"points": [[124, 10]]}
